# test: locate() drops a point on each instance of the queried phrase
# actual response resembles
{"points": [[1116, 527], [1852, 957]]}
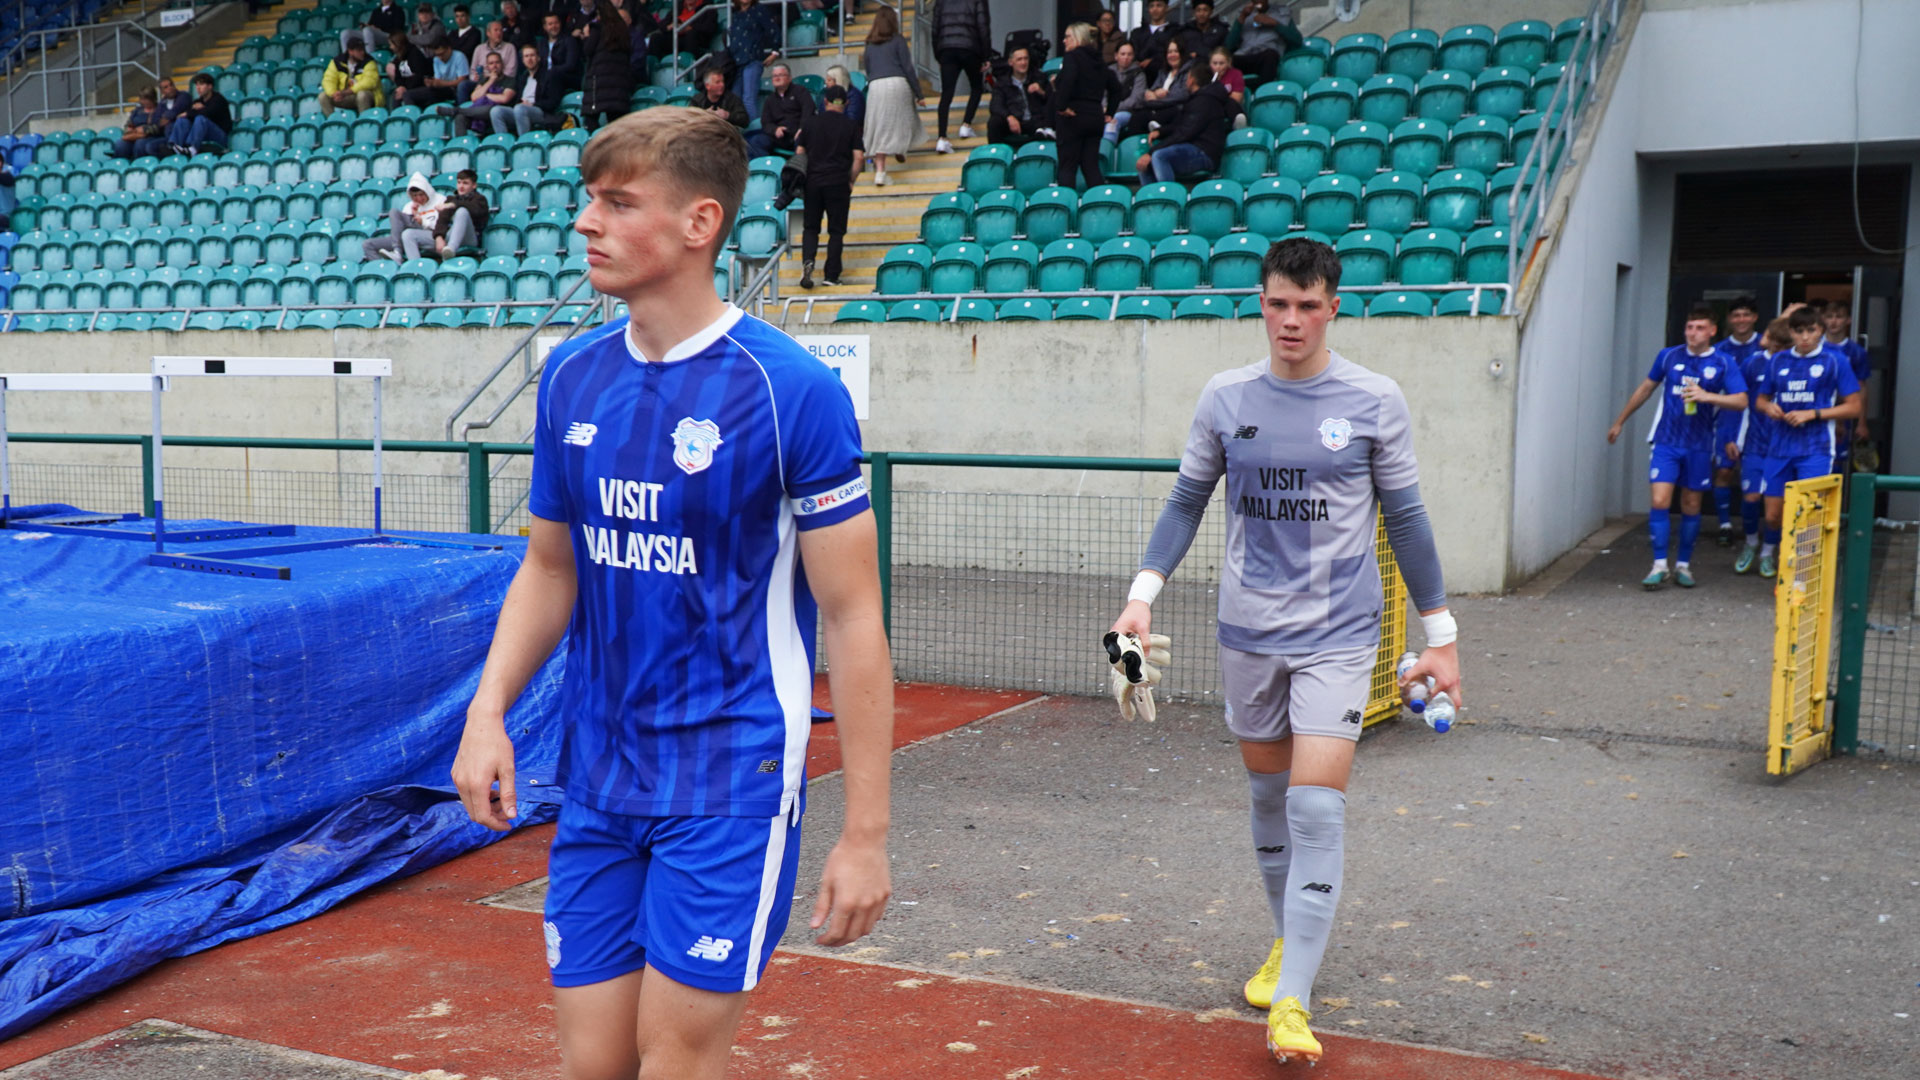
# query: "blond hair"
{"points": [[1081, 34], [694, 150], [841, 77]]}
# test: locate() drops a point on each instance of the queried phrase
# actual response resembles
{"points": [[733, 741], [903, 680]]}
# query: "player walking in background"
{"points": [[1741, 342], [1806, 390], [689, 463], [1693, 380], [1837, 318], [1308, 441], [1756, 442]]}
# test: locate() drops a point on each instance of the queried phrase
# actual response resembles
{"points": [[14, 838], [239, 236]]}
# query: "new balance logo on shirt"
{"points": [[580, 433], [1246, 431], [711, 948]]}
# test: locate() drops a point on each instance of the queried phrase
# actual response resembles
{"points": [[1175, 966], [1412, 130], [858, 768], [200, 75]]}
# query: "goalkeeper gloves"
{"points": [[1134, 671]]}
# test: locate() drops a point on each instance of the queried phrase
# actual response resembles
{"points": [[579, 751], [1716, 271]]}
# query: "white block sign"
{"points": [[175, 17], [851, 357]]}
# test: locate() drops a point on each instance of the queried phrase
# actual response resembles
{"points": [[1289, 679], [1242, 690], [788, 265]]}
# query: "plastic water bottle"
{"points": [[1417, 693], [1439, 713]]}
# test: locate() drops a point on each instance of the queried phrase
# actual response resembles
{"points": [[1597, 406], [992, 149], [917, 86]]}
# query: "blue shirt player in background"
{"points": [[1805, 391], [1693, 380], [1741, 342], [696, 498], [1756, 440], [1837, 318]]}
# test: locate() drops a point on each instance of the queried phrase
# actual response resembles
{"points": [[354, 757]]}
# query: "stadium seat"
{"points": [[1387, 99], [1429, 257], [947, 219], [1248, 155], [1502, 92], [1050, 214], [334, 287], [207, 320], [516, 191], [1454, 198], [1205, 307], [1105, 212], [1024, 310], [1366, 256], [1525, 131], [763, 178], [298, 287], [493, 281], [1410, 53], [1272, 206], [1179, 262], [759, 230], [317, 241], [1011, 267], [1331, 203], [1485, 259], [1360, 149], [133, 321], [565, 150], [956, 269], [191, 290], [1478, 143], [1248, 308], [1157, 210], [411, 284], [996, 216], [91, 292], [864, 311], [1301, 152], [1356, 57], [1566, 37], [1443, 96], [986, 169], [1120, 264], [914, 311], [1330, 102], [1144, 307], [1065, 266], [1527, 43], [1501, 187], [1275, 106], [1461, 303], [1391, 201], [1545, 82], [452, 282], [1353, 305], [444, 317], [1120, 164], [1084, 308], [493, 153], [555, 190], [1213, 208], [373, 283], [1306, 64], [1467, 48], [546, 232], [403, 317], [904, 270], [975, 309], [1399, 304], [222, 291], [1034, 166], [317, 319], [1235, 262]]}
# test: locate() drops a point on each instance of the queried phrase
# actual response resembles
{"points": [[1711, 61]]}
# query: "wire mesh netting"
{"points": [[1889, 664]]}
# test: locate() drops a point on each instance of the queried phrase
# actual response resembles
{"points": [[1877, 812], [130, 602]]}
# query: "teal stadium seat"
{"points": [[1461, 303], [1034, 166], [1120, 264], [1272, 206], [1248, 308], [1485, 258], [1331, 102], [207, 320], [1366, 256], [1050, 214], [1205, 307], [914, 311], [1387, 98], [1331, 203], [1235, 262], [1391, 201], [1353, 305], [1428, 257], [1302, 152], [546, 232], [1306, 64], [1478, 143], [1525, 131], [975, 309], [1443, 96], [763, 178], [1399, 304], [903, 270], [1065, 266], [987, 169], [1454, 198], [451, 283], [1527, 43], [1248, 155], [1360, 149], [760, 230], [1158, 210], [861, 311], [1213, 208], [1011, 267], [1502, 92], [1105, 212], [1356, 57], [1024, 310], [373, 283], [1566, 38], [1273, 106], [1126, 156], [1467, 48], [996, 216], [1545, 82], [1083, 308], [410, 285], [1411, 53], [948, 219], [1144, 307], [956, 269], [493, 281], [444, 317], [1500, 188], [1179, 262]]}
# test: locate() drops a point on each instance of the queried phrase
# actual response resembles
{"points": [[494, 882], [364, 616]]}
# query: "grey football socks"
{"points": [[1272, 841], [1317, 819]]}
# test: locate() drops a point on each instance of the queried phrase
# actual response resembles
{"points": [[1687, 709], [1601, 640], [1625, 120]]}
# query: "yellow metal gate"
{"points": [[1798, 730]]}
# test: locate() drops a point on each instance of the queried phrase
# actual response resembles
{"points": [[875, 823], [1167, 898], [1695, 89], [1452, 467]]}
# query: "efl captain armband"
{"points": [[1134, 671], [1440, 628]]}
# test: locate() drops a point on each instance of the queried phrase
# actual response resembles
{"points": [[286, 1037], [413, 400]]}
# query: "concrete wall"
{"points": [[1107, 389]]}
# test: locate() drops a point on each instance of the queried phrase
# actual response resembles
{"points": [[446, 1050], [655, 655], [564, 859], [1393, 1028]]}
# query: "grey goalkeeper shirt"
{"points": [[1303, 460]]}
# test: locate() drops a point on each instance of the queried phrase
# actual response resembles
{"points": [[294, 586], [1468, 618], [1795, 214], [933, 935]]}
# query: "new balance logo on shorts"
{"points": [[1247, 431], [711, 948], [1352, 716], [1317, 887], [580, 433]]}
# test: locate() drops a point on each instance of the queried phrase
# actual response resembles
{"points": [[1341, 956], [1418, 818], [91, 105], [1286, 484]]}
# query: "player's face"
{"points": [[1837, 321], [1806, 338], [638, 234], [1741, 321], [1296, 318], [1700, 333]]}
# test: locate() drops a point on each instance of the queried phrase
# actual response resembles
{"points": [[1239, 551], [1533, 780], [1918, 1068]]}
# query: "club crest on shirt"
{"points": [[1335, 433], [694, 442], [1816, 370]]}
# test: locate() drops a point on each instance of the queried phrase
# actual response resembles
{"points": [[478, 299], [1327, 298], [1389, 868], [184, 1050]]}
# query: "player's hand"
{"points": [[854, 888], [1733, 452], [1799, 417], [1441, 663], [486, 756], [1613, 434], [1692, 392], [1136, 619]]}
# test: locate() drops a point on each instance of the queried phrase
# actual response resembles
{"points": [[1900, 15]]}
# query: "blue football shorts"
{"points": [[1753, 474], [703, 900], [1784, 470], [1688, 469]]}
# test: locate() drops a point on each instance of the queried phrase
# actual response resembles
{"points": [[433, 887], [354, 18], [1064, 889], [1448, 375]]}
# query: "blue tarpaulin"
{"points": [[199, 757]]}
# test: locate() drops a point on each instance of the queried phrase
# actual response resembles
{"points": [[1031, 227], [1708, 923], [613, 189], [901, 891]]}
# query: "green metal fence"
{"points": [[1877, 705]]}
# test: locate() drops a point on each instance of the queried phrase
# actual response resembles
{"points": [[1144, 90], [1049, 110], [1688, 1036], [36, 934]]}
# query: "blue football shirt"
{"points": [[1755, 435], [683, 484], [1674, 368], [1731, 426], [1815, 381], [1856, 355]]}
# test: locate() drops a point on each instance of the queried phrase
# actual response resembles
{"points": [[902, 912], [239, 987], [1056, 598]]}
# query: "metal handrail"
{"points": [[46, 72], [1114, 295], [723, 6], [525, 341]]}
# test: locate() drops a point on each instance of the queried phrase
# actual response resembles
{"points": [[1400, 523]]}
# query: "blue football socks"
{"points": [[1689, 532], [1660, 528], [1723, 505], [1750, 519]]}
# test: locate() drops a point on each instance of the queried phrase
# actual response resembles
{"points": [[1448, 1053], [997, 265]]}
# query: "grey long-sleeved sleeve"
{"points": [[1178, 523], [1411, 535]]}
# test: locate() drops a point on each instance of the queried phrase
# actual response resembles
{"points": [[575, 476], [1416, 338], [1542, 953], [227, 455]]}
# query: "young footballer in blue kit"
{"points": [[1741, 342], [1756, 442], [1308, 443], [1693, 380], [1837, 318], [1806, 391], [696, 499]]}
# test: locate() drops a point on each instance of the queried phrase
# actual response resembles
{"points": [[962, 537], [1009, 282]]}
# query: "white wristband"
{"points": [[1440, 627], [1146, 587]]}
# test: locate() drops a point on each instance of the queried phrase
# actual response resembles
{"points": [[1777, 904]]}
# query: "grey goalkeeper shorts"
{"points": [[1272, 697]]}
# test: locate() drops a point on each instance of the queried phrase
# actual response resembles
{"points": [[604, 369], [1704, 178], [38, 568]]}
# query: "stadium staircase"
{"points": [[221, 52]]}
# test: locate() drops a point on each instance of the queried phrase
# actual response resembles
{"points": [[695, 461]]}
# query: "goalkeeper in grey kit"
{"points": [[1308, 442]]}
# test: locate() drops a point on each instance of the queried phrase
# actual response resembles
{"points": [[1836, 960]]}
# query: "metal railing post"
{"points": [[146, 475], [880, 494], [1856, 585], [479, 490]]}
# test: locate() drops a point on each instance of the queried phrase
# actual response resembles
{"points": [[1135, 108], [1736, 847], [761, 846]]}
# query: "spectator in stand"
{"points": [[448, 72], [894, 95], [205, 123], [1166, 93], [1265, 36], [717, 99], [607, 89], [409, 68], [174, 102], [1203, 34], [1107, 29], [462, 218], [838, 75], [143, 133], [351, 81], [497, 44], [380, 24], [1221, 70], [559, 54], [1133, 80], [1195, 141], [1151, 36], [466, 37], [962, 39], [427, 29], [495, 90], [832, 11], [753, 40], [582, 21], [641, 26], [697, 27], [515, 29], [835, 156], [787, 107], [412, 224], [1085, 92], [539, 100], [1019, 105]]}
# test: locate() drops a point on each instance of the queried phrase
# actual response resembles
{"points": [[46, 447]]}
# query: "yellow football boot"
{"points": [[1259, 989], [1287, 1036]]}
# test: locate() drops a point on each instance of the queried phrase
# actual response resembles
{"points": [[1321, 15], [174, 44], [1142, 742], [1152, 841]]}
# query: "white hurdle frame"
{"points": [[76, 382]]}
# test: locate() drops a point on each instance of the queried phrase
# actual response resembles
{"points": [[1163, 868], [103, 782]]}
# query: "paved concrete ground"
{"points": [[158, 1050]]}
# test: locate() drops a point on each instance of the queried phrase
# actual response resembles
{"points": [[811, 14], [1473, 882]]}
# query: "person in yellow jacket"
{"points": [[352, 80]]}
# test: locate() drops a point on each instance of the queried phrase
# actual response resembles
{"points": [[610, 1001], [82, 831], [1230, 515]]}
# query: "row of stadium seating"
{"points": [[404, 126], [310, 318], [1388, 99], [1470, 48], [1208, 306], [272, 285]]}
